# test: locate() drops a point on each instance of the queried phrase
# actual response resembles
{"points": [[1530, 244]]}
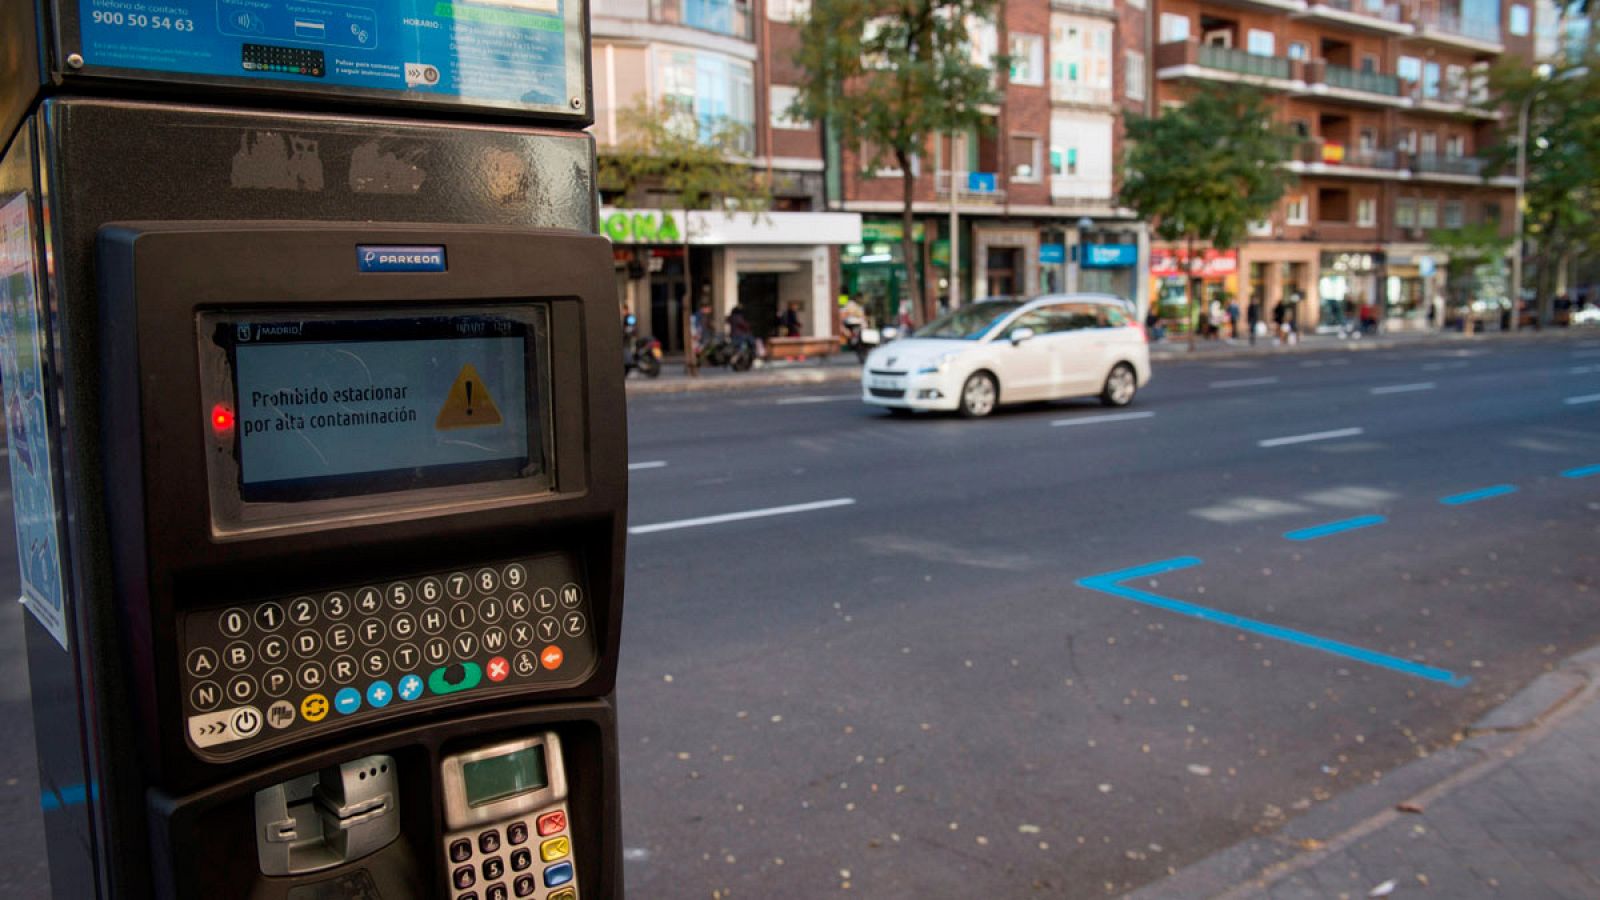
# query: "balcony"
{"points": [[1092, 7], [1453, 168], [1375, 16], [1328, 81], [1447, 28], [1452, 98], [1292, 7], [1318, 157], [1190, 59], [1078, 94], [729, 17]]}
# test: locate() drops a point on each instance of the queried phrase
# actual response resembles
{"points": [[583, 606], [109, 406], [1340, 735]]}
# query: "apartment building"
{"points": [[717, 61], [1030, 198], [1388, 103]]}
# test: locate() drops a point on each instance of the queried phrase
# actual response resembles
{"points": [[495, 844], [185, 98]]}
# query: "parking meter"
{"points": [[323, 508]]}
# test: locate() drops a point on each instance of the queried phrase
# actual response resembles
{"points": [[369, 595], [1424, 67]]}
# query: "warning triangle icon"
{"points": [[468, 405]]}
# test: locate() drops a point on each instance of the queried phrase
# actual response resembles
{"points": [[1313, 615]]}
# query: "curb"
{"points": [[840, 373], [1253, 866]]}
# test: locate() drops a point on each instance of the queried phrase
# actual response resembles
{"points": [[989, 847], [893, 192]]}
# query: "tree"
{"points": [[695, 162], [1204, 171], [1470, 248], [1561, 205], [887, 76]]}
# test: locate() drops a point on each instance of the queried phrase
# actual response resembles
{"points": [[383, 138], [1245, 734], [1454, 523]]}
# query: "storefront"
{"points": [[767, 262], [1216, 271], [1348, 289], [1412, 297], [1108, 268], [873, 268]]}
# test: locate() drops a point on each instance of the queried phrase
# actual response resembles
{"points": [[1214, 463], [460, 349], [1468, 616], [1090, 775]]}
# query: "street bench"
{"points": [[801, 347]]}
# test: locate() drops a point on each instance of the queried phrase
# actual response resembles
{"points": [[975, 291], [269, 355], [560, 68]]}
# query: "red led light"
{"points": [[221, 418]]}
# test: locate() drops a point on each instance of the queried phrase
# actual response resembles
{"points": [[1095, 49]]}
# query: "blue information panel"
{"points": [[508, 53], [328, 408]]}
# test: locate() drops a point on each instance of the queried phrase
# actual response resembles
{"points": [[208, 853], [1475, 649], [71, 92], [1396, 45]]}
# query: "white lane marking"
{"points": [[814, 398], [741, 516], [1586, 398], [1110, 417], [651, 464], [1440, 367], [1404, 388], [1308, 438], [1585, 354], [1244, 382]]}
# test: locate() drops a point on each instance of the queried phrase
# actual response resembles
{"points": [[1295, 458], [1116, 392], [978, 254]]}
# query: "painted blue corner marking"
{"points": [[1109, 583], [1499, 490], [71, 795], [1582, 472], [1317, 531]]}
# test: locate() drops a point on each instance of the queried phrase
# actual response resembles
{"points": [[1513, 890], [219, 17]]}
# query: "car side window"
{"points": [[1115, 318], [1072, 316], [1035, 320]]}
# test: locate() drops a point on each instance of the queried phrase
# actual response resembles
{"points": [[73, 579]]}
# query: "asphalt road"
{"points": [[914, 694], [911, 694]]}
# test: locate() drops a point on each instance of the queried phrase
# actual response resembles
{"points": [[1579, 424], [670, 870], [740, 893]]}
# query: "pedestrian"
{"points": [[1233, 317], [791, 320], [1152, 324], [1279, 317], [1254, 322]]}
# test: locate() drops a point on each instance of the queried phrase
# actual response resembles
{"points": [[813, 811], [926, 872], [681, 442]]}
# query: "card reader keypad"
{"points": [[286, 60], [527, 857], [277, 669]]}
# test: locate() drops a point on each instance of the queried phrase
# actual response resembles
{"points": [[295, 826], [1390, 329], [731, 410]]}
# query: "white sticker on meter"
{"points": [[225, 726]]}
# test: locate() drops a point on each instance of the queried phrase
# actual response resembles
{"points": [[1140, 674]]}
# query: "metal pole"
{"points": [[955, 232], [1516, 215]]}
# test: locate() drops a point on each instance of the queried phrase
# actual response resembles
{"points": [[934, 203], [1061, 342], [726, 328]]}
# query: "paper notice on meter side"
{"points": [[344, 408]]}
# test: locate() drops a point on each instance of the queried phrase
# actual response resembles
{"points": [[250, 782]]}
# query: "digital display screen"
{"points": [[499, 777], [332, 407]]}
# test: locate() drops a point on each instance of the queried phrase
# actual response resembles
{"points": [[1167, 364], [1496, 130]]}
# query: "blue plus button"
{"points": [[410, 687], [558, 874], [379, 694], [347, 701]]}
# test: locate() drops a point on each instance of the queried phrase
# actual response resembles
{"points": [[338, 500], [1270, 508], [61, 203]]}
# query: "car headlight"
{"points": [[937, 365]]}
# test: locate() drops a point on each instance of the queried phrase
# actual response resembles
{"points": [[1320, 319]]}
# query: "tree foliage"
{"points": [[887, 76], [691, 162], [1561, 208]]}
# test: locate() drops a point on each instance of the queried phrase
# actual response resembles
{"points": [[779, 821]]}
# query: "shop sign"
{"points": [[1110, 256], [888, 232], [1052, 254], [1352, 263], [940, 254], [1207, 264], [1425, 266], [649, 226]]}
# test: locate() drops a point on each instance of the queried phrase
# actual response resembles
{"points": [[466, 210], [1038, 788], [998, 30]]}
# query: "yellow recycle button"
{"points": [[314, 708], [554, 849]]}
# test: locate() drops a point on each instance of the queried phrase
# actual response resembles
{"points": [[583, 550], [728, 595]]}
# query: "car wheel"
{"points": [[1120, 387], [979, 395]]}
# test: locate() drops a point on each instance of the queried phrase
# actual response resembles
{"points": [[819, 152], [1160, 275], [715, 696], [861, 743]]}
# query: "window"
{"points": [[1080, 155], [1333, 205], [1133, 74], [1025, 157], [1428, 214], [1491, 213], [1455, 146], [730, 17], [1408, 141], [884, 165], [873, 33], [1409, 68], [985, 40], [788, 10], [779, 99], [1430, 143], [1080, 60], [1369, 63], [1520, 21], [708, 90], [1301, 128], [1063, 160], [1174, 28], [1295, 211], [1455, 83], [1027, 59], [1430, 81], [1454, 214], [1405, 213], [1261, 43], [1299, 50], [1366, 212], [1368, 141]]}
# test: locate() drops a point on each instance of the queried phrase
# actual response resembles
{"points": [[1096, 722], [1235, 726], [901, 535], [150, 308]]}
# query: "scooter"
{"points": [[641, 353], [862, 340], [737, 353]]}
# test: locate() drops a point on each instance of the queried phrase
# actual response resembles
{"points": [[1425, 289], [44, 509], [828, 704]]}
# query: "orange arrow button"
{"points": [[551, 657]]}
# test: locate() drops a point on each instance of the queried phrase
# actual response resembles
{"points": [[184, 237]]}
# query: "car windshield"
{"points": [[970, 323]]}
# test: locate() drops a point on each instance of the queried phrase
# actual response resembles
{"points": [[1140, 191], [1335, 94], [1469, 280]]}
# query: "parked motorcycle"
{"points": [[737, 353], [642, 353]]}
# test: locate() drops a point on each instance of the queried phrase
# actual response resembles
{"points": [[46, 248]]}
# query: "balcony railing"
{"points": [[1239, 62], [1096, 6], [1389, 12], [1337, 154], [1451, 22], [728, 17], [1435, 163], [1365, 82]]}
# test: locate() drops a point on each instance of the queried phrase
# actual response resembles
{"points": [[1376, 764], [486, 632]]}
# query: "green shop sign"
{"points": [[641, 227]]}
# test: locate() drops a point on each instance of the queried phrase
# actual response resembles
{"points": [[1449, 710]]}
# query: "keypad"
{"points": [[285, 60], [503, 861], [318, 660]]}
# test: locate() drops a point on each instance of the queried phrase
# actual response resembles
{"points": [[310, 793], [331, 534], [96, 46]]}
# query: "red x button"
{"points": [[499, 669], [550, 823], [551, 657]]}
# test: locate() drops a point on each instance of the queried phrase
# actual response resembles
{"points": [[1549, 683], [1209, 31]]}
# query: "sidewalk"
{"points": [[1512, 811], [842, 367]]}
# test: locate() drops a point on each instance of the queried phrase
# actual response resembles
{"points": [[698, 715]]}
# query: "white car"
{"points": [[1013, 351]]}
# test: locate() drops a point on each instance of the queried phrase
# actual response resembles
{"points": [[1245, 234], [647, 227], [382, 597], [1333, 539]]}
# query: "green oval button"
{"points": [[471, 674]]}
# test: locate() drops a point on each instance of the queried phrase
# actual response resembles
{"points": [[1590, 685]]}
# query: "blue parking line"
{"points": [[1582, 472], [1499, 490], [1108, 583], [1317, 531]]}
